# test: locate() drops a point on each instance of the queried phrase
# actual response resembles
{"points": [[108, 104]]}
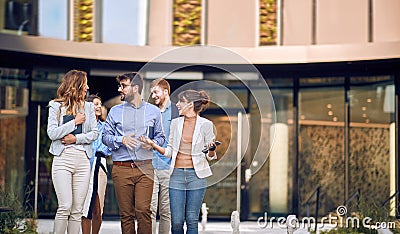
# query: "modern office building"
{"points": [[332, 68]]}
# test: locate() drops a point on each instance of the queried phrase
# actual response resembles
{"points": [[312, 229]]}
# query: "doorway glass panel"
{"points": [[372, 140], [321, 143], [269, 189]]}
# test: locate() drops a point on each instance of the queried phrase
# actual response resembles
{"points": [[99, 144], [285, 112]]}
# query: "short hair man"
{"points": [[160, 92], [132, 172]]}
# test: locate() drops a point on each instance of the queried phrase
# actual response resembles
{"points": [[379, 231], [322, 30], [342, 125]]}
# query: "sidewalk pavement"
{"points": [[45, 226]]}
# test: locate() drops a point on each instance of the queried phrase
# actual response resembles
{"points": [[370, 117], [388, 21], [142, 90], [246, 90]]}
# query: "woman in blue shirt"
{"points": [[94, 202]]}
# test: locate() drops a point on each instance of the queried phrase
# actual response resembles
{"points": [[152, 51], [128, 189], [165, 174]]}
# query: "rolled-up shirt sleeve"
{"points": [[159, 137], [128, 120]]}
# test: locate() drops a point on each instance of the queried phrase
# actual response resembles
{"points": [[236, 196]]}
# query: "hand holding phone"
{"points": [[211, 146]]}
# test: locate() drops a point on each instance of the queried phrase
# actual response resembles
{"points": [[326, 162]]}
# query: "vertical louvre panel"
{"points": [[268, 22], [83, 20], [187, 22]]}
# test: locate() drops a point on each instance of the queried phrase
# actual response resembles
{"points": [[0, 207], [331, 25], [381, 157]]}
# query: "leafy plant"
{"points": [[18, 219], [371, 211]]}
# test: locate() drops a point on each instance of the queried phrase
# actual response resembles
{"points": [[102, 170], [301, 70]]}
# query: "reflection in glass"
{"points": [[18, 17]]}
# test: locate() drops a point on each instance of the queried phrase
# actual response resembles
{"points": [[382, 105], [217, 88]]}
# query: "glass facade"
{"points": [[324, 135], [337, 133], [344, 141], [14, 96]]}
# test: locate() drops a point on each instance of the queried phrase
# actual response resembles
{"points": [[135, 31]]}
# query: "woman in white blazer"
{"points": [[189, 135], [72, 127]]}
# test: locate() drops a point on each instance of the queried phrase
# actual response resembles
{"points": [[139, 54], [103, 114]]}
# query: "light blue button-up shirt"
{"points": [[125, 119], [161, 162], [97, 145]]}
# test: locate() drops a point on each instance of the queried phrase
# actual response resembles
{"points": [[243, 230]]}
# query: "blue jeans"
{"points": [[186, 193]]}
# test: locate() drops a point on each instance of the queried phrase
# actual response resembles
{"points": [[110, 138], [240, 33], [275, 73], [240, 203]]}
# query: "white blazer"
{"points": [[56, 131], [203, 134]]}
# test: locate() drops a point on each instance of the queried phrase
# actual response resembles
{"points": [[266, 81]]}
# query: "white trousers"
{"points": [[70, 174]]}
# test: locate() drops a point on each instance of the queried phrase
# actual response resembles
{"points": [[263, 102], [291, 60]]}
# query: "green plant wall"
{"points": [[186, 22], [268, 22]]}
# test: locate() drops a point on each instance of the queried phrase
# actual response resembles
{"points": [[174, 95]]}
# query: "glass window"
{"points": [[226, 95], [269, 190], [321, 142], [371, 100], [372, 139], [53, 19], [17, 17], [125, 22], [227, 98], [14, 93], [221, 196], [45, 85], [13, 111]]}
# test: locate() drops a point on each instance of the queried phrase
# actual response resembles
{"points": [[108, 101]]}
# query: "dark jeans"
{"points": [[186, 195]]}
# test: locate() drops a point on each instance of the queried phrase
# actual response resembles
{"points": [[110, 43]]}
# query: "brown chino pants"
{"points": [[134, 188]]}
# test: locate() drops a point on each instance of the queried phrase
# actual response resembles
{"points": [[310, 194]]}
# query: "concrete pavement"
{"points": [[45, 226]]}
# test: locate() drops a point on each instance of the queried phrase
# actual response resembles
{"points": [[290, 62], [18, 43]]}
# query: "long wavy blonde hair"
{"points": [[70, 93]]}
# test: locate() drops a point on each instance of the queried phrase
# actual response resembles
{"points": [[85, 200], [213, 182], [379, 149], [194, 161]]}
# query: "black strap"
{"points": [[95, 187]]}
